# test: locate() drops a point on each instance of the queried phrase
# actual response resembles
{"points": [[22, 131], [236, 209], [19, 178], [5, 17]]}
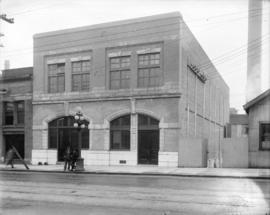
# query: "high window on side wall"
{"points": [[120, 72], [149, 70], [13, 113], [264, 136], [56, 78], [81, 75], [120, 133]]}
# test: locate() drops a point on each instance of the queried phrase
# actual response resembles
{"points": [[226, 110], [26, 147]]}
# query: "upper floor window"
{"points": [[120, 72], [149, 70], [13, 113], [9, 113], [80, 75], [264, 136], [56, 76], [20, 112]]}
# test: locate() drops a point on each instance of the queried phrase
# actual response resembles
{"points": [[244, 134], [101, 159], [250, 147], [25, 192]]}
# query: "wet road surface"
{"points": [[70, 193]]}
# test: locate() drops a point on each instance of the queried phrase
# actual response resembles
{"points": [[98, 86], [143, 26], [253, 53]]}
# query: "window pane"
{"points": [[20, 112], [61, 83], [116, 122], [125, 62], [125, 120], [143, 120], [56, 79], [120, 133], [115, 139], [76, 80], [52, 84], [125, 143], [115, 75], [85, 82], [114, 63], [9, 111], [125, 79], [265, 136], [115, 84], [53, 138], [61, 68], [85, 138], [150, 76], [125, 84]]}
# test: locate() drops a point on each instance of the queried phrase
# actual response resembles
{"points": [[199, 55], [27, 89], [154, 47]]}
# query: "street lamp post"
{"points": [[79, 124]]}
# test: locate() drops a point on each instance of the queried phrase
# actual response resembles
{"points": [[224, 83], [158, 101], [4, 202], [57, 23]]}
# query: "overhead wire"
{"points": [[87, 38]]}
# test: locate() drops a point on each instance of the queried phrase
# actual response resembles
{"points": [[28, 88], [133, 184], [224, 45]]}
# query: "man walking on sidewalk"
{"points": [[10, 157]]}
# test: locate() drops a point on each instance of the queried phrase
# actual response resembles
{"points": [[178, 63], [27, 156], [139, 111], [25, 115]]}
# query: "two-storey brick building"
{"points": [[142, 84], [16, 111]]}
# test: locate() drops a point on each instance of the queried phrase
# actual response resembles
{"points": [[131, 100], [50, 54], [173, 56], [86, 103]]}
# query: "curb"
{"points": [[138, 174]]}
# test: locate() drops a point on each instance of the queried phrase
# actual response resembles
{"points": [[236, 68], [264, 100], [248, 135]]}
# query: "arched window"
{"points": [[120, 133], [62, 133], [147, 122]]}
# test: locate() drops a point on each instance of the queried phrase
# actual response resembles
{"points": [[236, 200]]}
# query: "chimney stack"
{"points": [[7, 64], [254, 67]]}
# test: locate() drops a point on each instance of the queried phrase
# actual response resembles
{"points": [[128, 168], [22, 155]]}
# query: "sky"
{"points": [[220, 26]]}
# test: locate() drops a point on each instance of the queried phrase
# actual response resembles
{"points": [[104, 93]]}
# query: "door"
{"points": [[16, 140], [148, 146]]}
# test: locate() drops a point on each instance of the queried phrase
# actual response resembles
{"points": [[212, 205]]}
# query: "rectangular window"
{"points": [[149, 70], [120, 140], [9, 113], [81, 75], [20, 112], [56, 76], [120, 72], [264, 136]]}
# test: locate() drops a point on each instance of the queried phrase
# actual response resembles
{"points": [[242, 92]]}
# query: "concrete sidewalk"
{"points": [[152, 170]]}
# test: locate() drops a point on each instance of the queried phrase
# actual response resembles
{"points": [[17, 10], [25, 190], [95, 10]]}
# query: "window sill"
{"points": [[120, 150]]}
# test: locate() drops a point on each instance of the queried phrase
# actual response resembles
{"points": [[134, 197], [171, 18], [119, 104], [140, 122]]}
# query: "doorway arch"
{"points": [[62, 133], [148, 139]]}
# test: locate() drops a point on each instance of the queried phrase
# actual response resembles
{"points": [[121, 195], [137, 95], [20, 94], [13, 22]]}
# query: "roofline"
{"points": [[109, 24], [18, 68], [256, 99]]}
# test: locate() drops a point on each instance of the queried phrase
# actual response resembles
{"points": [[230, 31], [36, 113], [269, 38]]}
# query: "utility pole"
{"points": [[6, 19]]}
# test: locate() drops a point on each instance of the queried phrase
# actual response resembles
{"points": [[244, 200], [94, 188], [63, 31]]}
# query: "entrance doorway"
{"points": [[63, 134], [16, 140], [148, 140]]}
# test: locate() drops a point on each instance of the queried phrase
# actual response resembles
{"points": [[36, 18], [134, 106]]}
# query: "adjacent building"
{"points": [[258, 110], [143, 85], [16, 111], [238, 126]]}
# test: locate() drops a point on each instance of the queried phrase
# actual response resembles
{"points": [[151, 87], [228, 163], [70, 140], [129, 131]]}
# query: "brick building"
{"points": [[143, 85], [16, 111]]}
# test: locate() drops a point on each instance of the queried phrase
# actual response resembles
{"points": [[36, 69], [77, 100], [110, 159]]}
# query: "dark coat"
{"points": [[10, 155]]}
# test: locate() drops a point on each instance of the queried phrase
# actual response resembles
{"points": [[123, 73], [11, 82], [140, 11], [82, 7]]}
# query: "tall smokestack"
{"points": [[253, 87], [7, 64]]}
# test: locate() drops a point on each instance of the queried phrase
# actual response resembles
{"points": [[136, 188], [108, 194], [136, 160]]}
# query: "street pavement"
{"points": [[153, 170], [41, 192]]}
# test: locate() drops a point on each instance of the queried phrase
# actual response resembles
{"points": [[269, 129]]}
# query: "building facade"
{"points": [[143, 85], [16, 111], [258, 111], [238, 126]]}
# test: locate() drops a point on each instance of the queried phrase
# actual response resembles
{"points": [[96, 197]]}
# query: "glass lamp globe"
{"points": [[83, 126], [76, 125], [76, 117]]}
